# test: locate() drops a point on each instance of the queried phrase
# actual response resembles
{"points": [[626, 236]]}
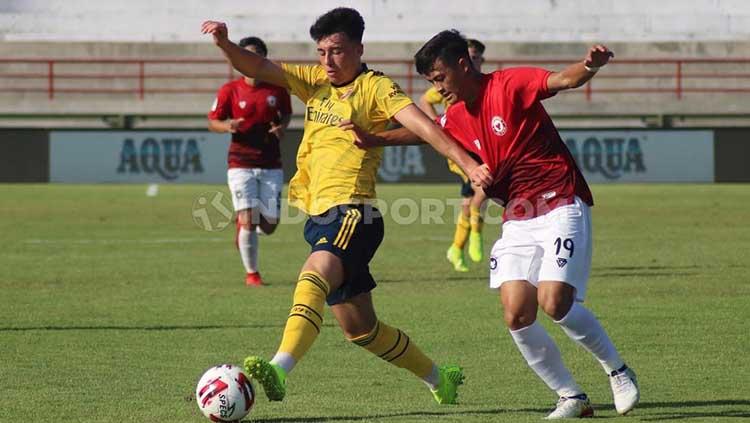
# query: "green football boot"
{"points": [[476, 247], [447, 391], [456, 257], [270, 376]]}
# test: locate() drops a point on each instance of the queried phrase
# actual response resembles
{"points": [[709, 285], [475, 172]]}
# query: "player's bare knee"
{"points": [[555, 298], [246, 226], [555, 307], [518, 319]]}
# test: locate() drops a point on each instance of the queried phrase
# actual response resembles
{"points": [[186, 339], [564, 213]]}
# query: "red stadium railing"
{"points": [[142, 77]]}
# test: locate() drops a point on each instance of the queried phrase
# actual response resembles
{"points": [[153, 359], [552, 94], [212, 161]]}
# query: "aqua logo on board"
{"points": [[166, 157], [401, 160], [611, 157]]}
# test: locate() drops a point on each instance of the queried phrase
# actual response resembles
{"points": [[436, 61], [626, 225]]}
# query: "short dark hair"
{"points": [[448, 46], [255, 42], [340, 19], [476, 45]]}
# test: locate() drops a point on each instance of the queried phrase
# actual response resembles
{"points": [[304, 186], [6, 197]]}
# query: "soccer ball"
{"points": [[225, 393]]}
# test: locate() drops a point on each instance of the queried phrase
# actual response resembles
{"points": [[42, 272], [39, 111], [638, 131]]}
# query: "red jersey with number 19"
{"points": [[508, 128], [260, 104]]}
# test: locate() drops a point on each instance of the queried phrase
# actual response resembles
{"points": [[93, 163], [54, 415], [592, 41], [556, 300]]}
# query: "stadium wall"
{"points": [[197, 156], [178, 89], [289, 20]]}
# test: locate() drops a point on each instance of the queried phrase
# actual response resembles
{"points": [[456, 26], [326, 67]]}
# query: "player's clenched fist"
{"points": [[481, 176], [217, 29], [598, 56]]}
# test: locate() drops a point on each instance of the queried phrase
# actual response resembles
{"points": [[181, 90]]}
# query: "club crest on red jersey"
{"points": [[271, 100], [242, 104], [498, 126]]}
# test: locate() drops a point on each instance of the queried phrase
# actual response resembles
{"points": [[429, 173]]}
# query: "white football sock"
{"points": [[544, 358], [247, 241], [284, 360], [581, 326]]}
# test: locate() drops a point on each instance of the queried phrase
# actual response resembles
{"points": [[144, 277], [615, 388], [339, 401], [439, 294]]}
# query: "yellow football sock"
{"points": [[395, 347], [306, 316], [475, 219], [462, 232]]}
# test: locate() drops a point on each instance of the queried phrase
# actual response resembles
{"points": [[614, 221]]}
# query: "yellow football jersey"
{"points": [[331, 170], [453, 167], [432, 96]]}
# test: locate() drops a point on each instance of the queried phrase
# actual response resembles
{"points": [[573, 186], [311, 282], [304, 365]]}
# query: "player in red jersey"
{"points": [[256, 114], [543, 258]]}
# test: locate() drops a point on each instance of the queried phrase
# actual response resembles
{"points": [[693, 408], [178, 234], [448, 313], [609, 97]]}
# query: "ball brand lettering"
{"points": [[610, 157], [225, 410], [167, 157]]}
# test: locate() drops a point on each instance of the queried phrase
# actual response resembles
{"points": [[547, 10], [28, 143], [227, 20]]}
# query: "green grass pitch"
{"points": [[113, 303]]}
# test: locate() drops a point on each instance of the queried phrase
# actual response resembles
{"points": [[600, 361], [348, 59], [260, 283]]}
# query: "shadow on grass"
{"points": [[692, 266], [640, 274], [432, 279], [425, 414], [679, 411]]}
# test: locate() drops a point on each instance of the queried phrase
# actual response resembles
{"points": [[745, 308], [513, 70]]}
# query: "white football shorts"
{"points": [[552, 247], [256, 188]]}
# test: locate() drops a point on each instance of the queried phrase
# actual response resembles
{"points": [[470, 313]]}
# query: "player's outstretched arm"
{"points": [[364, 139], [579, 73], [246, 62], [420, 125], [427, 107]]}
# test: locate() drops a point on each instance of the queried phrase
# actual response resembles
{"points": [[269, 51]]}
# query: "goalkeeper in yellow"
{"points": [[470, 220], [335, 186]]}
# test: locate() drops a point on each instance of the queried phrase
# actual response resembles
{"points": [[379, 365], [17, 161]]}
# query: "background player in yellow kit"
{"points": [[470, 222]]}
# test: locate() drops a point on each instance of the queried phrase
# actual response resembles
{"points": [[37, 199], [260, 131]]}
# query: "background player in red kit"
{"points": [[543, 258], [256, 114]]}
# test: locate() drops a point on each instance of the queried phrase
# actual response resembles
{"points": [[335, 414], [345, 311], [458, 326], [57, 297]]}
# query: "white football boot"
{"points": [[572, 408], [624, 390]]}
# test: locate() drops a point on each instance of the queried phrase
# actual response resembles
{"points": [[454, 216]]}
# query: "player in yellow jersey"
{"points": [[470, 220], [335, 186]]}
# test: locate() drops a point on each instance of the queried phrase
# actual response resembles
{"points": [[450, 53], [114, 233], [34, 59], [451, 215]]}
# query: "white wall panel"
{"points": [[386, 20]]}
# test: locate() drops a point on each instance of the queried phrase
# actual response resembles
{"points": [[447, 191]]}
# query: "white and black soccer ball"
{"points": [[225, 394]]}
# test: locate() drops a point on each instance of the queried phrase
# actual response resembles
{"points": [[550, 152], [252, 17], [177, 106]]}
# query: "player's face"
{"points": [[477, 58], [340, 57], [448, 80]]}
